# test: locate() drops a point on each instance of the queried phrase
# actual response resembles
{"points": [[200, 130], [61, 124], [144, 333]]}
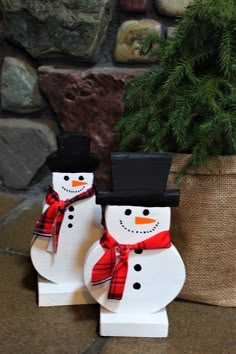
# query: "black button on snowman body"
{"points": [[137, 209]]}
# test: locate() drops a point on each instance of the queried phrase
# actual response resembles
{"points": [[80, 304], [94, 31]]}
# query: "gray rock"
{"points": [[19, 87], [172, 8], [171, 31], [24, 146], [49, 28]]}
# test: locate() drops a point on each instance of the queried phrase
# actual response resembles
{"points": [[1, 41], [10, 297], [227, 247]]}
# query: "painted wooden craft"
{"points": [[134, 271], [69, 224]]}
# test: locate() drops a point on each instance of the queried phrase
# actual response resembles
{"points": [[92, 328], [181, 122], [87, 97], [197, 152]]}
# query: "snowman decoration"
{"points": [[69, 223], [134, 271]]}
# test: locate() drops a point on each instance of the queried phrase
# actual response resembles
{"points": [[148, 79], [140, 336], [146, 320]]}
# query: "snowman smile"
{"points": [[140, 232], [70, 191]]}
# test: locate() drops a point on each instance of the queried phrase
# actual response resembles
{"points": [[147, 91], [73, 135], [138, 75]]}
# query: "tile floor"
{"points": [[27, 329]]}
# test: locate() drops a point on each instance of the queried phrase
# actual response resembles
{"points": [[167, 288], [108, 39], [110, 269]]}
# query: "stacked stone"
{"points": [[87, 97]]}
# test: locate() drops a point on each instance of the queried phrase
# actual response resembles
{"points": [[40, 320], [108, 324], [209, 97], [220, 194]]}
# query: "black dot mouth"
{"points": [[140, 232], [70, 191]]}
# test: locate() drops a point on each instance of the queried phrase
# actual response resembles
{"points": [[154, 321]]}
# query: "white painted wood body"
{"points": [[154, 325], [160, 274], [79, 230], [52, 294]]}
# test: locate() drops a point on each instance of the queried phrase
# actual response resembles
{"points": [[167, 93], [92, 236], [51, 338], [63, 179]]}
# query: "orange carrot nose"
{"points": [[139, 220], [78, 183]]}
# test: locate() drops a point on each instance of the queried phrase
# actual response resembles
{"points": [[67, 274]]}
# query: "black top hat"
{"points": [[140, 179], [73, 154]]}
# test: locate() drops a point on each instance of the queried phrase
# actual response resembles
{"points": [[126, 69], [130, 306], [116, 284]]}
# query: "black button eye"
{"points": [[128, 212], [81, 178], [66, 178], [145, 212]]}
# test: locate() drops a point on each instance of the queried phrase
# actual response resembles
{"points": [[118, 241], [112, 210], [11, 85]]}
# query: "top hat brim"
{"points": [[57, 163], [169, 198]]}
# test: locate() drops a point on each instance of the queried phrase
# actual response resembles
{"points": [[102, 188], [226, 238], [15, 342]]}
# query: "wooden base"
{"points": [[52, 294], [153, 325]]}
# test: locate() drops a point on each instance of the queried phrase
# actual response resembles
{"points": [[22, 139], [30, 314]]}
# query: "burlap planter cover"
{"points": [[204, 230]]}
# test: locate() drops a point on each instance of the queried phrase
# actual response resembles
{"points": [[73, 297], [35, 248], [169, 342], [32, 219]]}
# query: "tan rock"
{"points": [[129, 38], [173, 8], [171, 31]]}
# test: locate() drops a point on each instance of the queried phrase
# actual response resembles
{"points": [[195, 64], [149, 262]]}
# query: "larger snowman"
{"points": [[70, 223], [134, 271]]}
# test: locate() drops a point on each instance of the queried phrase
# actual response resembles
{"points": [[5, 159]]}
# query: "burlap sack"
{"points": [[204, 230]]}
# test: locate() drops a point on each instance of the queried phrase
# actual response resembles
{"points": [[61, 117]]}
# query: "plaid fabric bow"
{"points": [[49, 222], [107, 267]]}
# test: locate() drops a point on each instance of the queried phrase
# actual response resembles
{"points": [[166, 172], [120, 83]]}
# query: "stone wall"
{"points": [[64, 64]]}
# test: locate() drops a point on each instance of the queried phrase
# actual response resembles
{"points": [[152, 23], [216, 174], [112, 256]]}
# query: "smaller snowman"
{"points": [[134, 271], [70, 223]]}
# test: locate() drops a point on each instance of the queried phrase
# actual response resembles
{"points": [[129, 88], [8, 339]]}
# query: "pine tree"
{"points": [[187, 102]]}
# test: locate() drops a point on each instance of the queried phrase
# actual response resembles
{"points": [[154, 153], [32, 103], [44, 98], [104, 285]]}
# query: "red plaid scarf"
{"points": [[107, 267], [49, 222]]}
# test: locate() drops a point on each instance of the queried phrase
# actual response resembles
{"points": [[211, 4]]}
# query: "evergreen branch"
{"points": [[150, 45], [188, 102], [226, 53]]}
